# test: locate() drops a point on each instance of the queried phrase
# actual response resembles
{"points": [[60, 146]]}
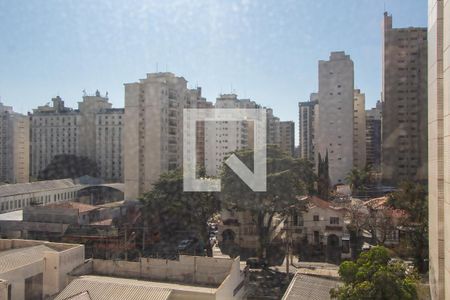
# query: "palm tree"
{"points": [[356, 178]]}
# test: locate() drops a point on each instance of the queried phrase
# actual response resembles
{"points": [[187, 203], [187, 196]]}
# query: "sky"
{"points": [[265, 50]]}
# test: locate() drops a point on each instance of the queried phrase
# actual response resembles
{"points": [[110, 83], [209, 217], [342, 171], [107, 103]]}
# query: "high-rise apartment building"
{"points": [[373, 137], [224, 137], [359, 130], [287, 137], [438, 145], [153, 140], [94, 130], [109, 147], [14, 146], [307, 122], [200, 135], [273, 128], [336, 111], [404, 97]]}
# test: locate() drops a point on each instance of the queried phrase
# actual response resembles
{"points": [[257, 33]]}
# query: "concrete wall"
{"points": [[16, 278], [232, 287], [446, 56], [437, 154], [189, 269]]}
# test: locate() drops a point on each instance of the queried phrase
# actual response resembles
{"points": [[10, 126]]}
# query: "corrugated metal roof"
{"points": [[18, 257], [109, 288], [37, 186], [305, 287]]}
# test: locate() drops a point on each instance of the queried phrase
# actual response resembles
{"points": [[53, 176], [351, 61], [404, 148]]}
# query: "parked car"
{"points": [[185, 245], [256, 263]]}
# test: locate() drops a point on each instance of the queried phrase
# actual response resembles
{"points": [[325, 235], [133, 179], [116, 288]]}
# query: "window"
{"points": [[334, 221], [316, 217]]}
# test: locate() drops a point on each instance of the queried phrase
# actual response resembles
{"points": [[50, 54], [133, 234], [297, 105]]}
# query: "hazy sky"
{"points": [[264, 50]]}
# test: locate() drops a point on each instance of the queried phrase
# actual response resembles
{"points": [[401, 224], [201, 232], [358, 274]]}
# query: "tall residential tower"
{"points": [[335, 132], [404, 97]]}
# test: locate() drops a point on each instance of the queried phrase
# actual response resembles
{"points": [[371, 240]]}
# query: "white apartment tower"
{"points": [[153, 131], [336, 111], [94, 130], [438, 145], [14, 146], [225, 137], [359, 130]]}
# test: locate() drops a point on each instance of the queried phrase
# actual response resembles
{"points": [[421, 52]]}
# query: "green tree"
{"points": [[68, 166], [287, 178], [374, 276], [412, 198], [176, 214], [357, 179]]}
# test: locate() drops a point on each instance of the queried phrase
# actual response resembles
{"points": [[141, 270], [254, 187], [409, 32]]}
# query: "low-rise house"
{"points": [[238, 233], [384, 221], [320, 232], [36, 269], [190, 277]]}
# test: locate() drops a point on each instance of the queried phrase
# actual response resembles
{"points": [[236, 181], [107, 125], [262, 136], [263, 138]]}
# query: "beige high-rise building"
{"points": [[287, 137], [359, 130], [94, 130], [109, 148], [373, 137], [200, 135], [273, 128], [14, 146], [404, 97], [225, 137], [438, 145], [307, 123], [336, 110], [153, 140]]}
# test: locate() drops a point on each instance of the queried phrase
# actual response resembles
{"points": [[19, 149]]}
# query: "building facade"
{"points": [[307, 122], [438, 145], [373, 137], [287, 137], [359, 130], [153, 141], [273, 128], [224, 137], [94, 130], [404, 97], [14, 146], [17, 196], [36, 269], [336, 111]]}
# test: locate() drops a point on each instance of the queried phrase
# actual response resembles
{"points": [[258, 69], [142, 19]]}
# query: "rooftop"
{"points": [[105, 288], [81, 207], [34, 187], [17, 257], [307, 287]]}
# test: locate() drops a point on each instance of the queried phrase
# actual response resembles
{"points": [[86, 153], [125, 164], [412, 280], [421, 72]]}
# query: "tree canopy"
{"points": [[176, 214], [68, 166], [375, 276], [412, 198], [287, 178]]}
